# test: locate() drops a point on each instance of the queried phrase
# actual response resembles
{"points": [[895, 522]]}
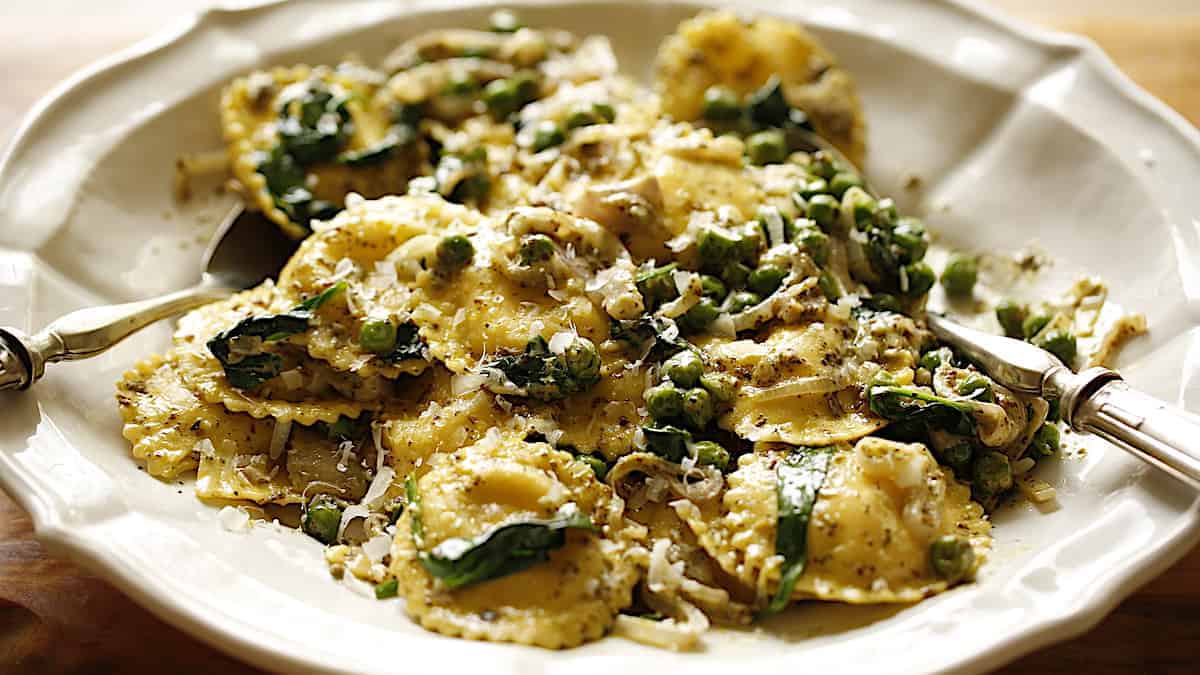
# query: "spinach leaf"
{"points": [[287, 185], [314, 125], [247, 371], [504, 550], [799, 477], [547, 376], [913, 406], [398, 136], [640, 332], [409, 344], [668, 442]]}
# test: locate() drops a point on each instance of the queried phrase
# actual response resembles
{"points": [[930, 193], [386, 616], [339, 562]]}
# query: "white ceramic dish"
{"points": [[1016, 134]]}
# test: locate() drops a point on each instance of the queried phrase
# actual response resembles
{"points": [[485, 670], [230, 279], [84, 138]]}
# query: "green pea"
{"points": [[581, 360], [766, 147], [749, 240], [1032, 325], [664, 402], [735, 274], [377, 336], [829, 286], [957, 456], [460, 84], [502, 98], [473, 187], [505, 21], [605, 111], [697, 408], [684, 368], [931, 360], [710, 453], [580, 117], [698, 317], [951, 557], [860, 205], [976, 387], [454, 253], [321, 519], [824, 210], [822, 164], [886, 216], [1011, 315], [816, 243], [740, 301], [766, 279], [715, 247], [1046, 441], [597, 465], [535, 248], [547, 134], [720, 104], [991, 474], [657, 284], [884, 302], [722, 387], [813, 188], [387, 589], [712, 287], [909, 235], [1060, 343], [920, 278], [842, 181], [525, 83], [959, 275]]}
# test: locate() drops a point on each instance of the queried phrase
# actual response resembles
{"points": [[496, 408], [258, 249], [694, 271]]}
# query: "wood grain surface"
{"points": [[54, 618]]}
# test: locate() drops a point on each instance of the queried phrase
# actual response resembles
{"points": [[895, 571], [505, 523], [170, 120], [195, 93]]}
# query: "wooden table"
{"points": [[56, 619]]}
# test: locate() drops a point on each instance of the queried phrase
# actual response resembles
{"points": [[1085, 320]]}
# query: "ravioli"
{"points": [[718, 48], [880, 508], [161, 416], [250, 111], [571, 598], [370, 247], [792, 387], [306, 391]]}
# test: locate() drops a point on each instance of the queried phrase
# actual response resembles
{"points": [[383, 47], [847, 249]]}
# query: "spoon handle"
{"points": [[1160, 434], [89, 331]]}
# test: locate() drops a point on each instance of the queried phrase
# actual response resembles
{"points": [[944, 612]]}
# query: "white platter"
{"points": [[1017, 135]]}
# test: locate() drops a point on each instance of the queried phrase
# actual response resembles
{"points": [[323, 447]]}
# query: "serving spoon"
{"points": [[245, 249]]}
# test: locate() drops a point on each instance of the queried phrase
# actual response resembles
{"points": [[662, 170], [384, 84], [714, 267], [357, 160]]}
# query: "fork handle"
{"points": [[1160, 434], [87, 332]]}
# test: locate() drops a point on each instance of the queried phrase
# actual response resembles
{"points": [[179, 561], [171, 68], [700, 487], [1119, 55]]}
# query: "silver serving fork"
{"points": [[245, 249]]}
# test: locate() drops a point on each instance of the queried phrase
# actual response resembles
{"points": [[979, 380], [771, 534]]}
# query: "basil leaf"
{"points": [[799, 477], [287, 183], [398, 136], [409, 344], [668, 442], [247, 371], [662, 334], [913, 406], [314, 125], [504, 550]]}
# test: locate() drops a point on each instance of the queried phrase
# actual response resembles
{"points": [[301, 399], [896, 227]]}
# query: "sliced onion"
{"points": [[279, 437], [817, 384]]}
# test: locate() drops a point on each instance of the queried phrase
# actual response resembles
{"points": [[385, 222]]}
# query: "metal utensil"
{"points": [[245, 249], [1095, 401]]}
